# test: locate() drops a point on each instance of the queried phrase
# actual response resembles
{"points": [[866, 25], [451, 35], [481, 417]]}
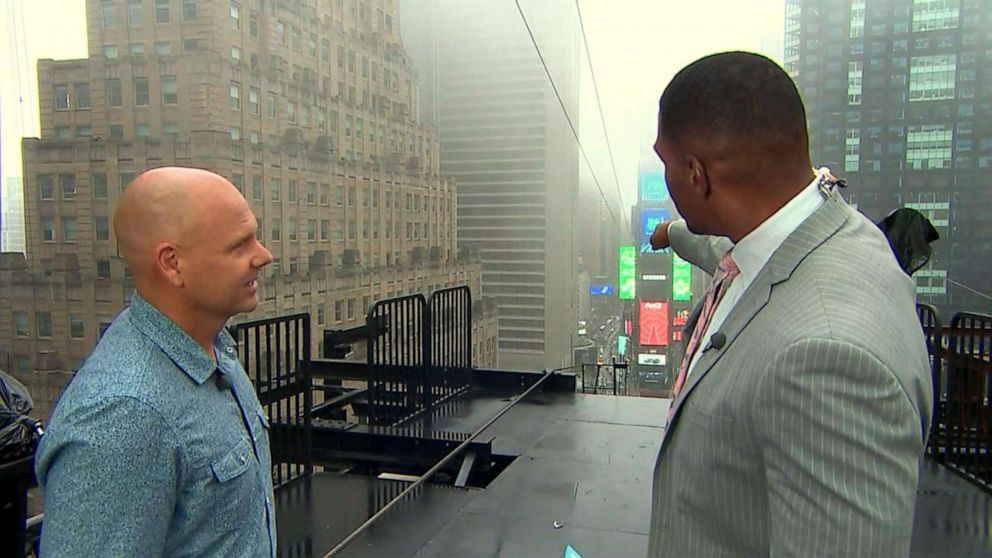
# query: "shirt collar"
{"points": [[753, 251], [174, 342]]}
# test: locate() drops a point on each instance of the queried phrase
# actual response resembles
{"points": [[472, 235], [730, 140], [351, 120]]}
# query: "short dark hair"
{"points": [[736, 96]]}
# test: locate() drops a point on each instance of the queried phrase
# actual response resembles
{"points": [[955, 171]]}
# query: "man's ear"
{"points": [[699, 179], [167, 262]]}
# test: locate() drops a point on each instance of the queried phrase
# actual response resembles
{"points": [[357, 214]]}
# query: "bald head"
{"points": [[166, 205]]}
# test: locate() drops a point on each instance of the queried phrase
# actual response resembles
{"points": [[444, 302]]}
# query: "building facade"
{"points": [[309, 107], [506, 143], [899, 101]]}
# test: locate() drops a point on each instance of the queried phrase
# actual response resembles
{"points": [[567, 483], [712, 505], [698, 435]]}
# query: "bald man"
{"points": [[159, 446]]}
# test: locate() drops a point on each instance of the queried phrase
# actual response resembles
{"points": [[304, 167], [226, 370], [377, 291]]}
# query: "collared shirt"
{"points": [[147, 455], [753, 251]]}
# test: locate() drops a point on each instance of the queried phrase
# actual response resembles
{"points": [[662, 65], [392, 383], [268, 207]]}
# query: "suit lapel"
{"points": [[811, 233]]}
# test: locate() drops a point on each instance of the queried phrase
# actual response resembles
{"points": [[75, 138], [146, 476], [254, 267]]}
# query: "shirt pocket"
{"points": [[234, 463]]}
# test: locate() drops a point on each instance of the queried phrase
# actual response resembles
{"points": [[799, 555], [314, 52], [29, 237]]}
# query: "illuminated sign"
{"points": [[653, 277], [647, 359], [680, 318], [622, 344], [650, 217], [628, 326], [627, 278], [677, 336], [653, 186], [681, 278], [653, 324], [599, 290]]}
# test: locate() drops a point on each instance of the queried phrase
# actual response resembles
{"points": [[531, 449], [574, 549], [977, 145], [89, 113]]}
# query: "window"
{"points": [[108, 14], [46, 186], [43, 320], [929, 15], [311, 193], [189, 10], [62, 133], [141, 96], [61, 96], [114, 96], [852, 155], [234, 96], [338, 310], [77, 329], [292, 190], [351, 196], [82, 95], [162, 11], [932, 77], [292, 230], [253, 24], [929, 147], [21, 328], [69, 229], [136, 49], [110, 52], [270, 107], [125, 179], [253, 100], [67, 181], [135, 13], [256, 188], [325, 229], [116, 131], [142, 130], [320, 313], [276, 230], [98, 181], [235, 133], [103, 269], [325, 193], [351, 308], [48, 229], [190, 45], [170, 129], [275, 188], [170, 90], [291, 111], [101, 227], [312, 230], [234, 22]]}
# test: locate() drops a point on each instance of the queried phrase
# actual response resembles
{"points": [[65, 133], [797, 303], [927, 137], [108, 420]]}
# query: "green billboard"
{"points": [[622, 345], [627, 279], [681, 278]]}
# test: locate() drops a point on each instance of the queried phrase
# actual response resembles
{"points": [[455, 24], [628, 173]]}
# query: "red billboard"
{"points": [[653, 324]]}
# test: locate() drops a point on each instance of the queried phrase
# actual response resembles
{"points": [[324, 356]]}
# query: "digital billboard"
{"points": [[681, 278], [627, 276], [650, 217], [622, 345], [649, 359], [653, 324], [653, 186], [600, 290]]}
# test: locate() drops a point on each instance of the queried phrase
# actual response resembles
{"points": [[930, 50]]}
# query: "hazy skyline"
{"points": [[636, 46]]}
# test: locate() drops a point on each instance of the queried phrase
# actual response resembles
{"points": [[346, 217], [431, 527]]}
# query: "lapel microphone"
{"points": [[718, 340], [222, 381]]}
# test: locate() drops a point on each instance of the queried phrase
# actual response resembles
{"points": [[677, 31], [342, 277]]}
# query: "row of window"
{"points": [[69, 228], [43, 325], [135, 12], [414, 231]]}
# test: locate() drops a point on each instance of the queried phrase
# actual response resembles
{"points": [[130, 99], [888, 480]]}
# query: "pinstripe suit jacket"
{"points": [[801, 436]]}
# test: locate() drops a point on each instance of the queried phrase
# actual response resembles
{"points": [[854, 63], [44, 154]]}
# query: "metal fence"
{"points": [[276, 355], [965, 427], [933, 333], [419, 353]]}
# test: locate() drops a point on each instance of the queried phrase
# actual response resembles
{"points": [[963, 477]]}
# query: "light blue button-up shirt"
{"points": [[147, 455]]}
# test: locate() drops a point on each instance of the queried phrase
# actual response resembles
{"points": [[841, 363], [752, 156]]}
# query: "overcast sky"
{"points": [[636, 47]]}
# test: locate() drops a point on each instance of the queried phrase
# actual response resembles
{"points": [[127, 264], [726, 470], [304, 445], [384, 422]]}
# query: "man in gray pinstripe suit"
{"points": [[805, 406]]}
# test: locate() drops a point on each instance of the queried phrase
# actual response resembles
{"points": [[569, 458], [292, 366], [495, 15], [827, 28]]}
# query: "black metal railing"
{"points": [[933, 333], [398, 344], [965, 425], [419, 353], [275, 353]]}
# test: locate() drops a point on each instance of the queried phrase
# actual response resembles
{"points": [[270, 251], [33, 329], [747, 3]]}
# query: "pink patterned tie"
{"points": [[725, 273]]}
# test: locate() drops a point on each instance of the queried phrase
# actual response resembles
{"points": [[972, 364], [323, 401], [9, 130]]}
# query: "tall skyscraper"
{"points": [[12, 215], [307, 106], [899, 100], [508, 146]]}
